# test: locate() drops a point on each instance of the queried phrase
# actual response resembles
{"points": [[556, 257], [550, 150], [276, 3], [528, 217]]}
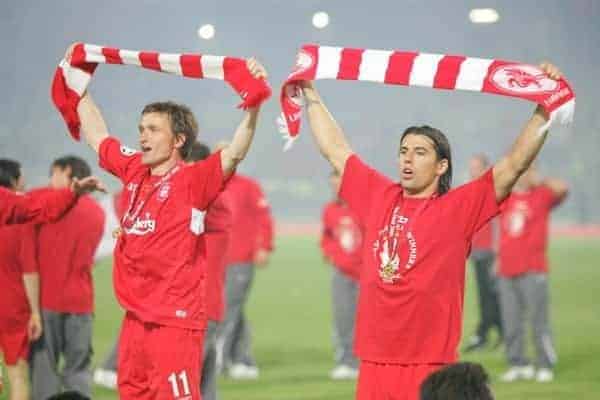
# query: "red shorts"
{"points": [[159, 362], [14, 345], [392, 381]]}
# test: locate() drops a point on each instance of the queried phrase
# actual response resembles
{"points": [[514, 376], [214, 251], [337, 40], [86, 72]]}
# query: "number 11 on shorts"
{"points": [[175, 384]]}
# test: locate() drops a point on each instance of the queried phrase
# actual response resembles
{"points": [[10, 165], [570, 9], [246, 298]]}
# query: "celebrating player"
{"points": [[157, 275], [418, 235]]}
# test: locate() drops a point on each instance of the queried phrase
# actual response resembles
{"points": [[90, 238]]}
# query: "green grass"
{"points": [[291, 313]]}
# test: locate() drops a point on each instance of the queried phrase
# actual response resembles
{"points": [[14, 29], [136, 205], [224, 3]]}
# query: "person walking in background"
{"points": [[524, 291], [341, 245], [218, 233], [251, 244], [482, 258], [66, 251], [106, 374]]}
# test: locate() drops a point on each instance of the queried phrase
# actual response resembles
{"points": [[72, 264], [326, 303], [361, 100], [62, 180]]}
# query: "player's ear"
{"points": [[179, 140], [442, 167]]}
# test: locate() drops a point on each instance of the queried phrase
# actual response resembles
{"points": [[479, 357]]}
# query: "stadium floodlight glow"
{"points": [[320, 19], [206, 32], [484, 16]]}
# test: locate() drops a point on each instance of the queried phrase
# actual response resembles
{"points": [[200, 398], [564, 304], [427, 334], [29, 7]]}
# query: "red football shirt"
{"points": [[411, 295], [66, 251], [524, 231], [218, 227], [19, 209], [157, 273], [252, 224], [341, 238], [17, 257], [483, 239]]}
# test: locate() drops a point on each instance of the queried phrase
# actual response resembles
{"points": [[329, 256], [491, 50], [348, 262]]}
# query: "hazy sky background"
{"points": [[35, 34]]}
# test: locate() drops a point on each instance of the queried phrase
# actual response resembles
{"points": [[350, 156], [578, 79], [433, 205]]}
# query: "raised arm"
{"points": [[92, 123], [329, 136], [524, 149], [236, 151]]}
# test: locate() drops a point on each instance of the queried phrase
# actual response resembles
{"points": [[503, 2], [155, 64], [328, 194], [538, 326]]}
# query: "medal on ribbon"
{"points": [[388, 269]]}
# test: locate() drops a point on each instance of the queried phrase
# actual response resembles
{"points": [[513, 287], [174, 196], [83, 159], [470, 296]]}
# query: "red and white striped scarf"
{"points": [[436, 71], [71, 79]]}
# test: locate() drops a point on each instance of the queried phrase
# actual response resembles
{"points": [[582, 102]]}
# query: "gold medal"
{"points": [[387, 272]]}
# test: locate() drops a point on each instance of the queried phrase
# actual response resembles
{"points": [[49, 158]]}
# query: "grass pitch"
{"points": [[290, 311]]}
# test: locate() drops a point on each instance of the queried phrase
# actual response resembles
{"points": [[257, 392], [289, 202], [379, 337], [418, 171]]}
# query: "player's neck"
{"points": [[164, 167], [420, 193]]}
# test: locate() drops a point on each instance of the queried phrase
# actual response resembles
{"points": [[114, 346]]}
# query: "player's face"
{"points": [[418, 166], [476, 167], [157, 141], [60, 178], [20, 184]]}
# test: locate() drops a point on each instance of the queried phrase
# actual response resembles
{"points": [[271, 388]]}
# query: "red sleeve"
{"points": [[117, 159], [264, 220], [37, 207], [28, 249], [474, 204], [14, 208], [206, 180], [359, 185], [55, 202]]}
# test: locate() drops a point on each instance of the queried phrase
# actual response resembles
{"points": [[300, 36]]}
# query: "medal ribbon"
{"points": [[392, 237], [131, 217]]}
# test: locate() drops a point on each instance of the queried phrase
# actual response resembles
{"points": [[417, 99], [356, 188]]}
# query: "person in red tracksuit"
{"points": [[65, 250], [250, 244], [219, 220], [341, 244], [523, 271], [418, 234], [20, 320], [157, 273], [483, 255]]}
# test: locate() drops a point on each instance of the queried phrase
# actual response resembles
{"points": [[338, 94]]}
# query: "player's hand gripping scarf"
{"points": [[436, 71], [72, 78]]}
